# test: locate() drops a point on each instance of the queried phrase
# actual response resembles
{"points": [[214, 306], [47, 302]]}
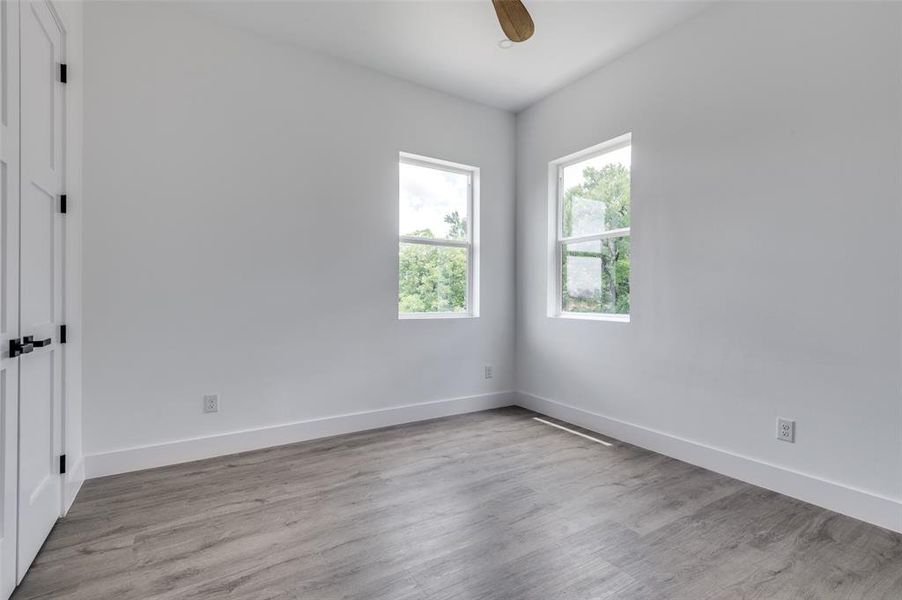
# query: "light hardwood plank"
{"points": [[490, 505]]}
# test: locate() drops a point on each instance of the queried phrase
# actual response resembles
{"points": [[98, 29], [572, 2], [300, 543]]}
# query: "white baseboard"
{"points": [[179, 451], [73, 482], [860, 504], [866, 506]]}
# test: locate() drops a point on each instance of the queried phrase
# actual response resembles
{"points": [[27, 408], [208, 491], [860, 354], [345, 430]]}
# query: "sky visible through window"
{"points": [[573, 174], [427, 197]]}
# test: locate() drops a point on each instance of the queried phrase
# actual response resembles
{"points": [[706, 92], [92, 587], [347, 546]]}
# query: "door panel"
{"points": [[9, 288], [40, 50], [38, 215], [39, 481], [40, 264]]}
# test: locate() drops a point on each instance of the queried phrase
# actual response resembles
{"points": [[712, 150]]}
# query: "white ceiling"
{"points": [[452, 45]]}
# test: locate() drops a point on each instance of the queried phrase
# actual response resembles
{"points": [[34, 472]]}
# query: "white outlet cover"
{"points": [[211, 403], [786, 430], [489, 372]]}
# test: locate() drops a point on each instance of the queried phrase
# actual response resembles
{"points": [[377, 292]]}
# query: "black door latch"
{"points": [[29, 339], [17, 347]]}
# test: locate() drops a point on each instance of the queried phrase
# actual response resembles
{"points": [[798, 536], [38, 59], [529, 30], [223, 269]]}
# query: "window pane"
{"points": [[432, 278], [433, 202], [596, 194], [595, 276]]}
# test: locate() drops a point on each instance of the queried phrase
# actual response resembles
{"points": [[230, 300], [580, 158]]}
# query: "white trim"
{"points": [[412, 239], [593, 237], [611, 317], [179, 451], [435, 163], [860, 504], [75, 478], [556, 239], [61, 440], [413, 316], [472, 241]]}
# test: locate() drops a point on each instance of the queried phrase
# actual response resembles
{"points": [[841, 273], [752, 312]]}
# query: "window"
{"points": [[436, 251], [591, 256]]}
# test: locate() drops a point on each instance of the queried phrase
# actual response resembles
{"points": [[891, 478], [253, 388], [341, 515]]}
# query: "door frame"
{"points": [[64, 142]]}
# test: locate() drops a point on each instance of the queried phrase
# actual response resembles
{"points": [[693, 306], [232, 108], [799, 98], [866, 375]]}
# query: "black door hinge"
{"points": [[63, 334], [63, 205], [62, 464], [63, 75]]}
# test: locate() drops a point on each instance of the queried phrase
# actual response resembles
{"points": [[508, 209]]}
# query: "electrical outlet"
{"points": [[211, 403], [489, 373], [786, 430]]}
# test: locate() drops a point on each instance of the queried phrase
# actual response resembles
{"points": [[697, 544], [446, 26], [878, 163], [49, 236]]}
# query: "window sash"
{"points": [[438, 165], [591, 237], [468, 243], [470, 311], [559, 285], [412, 239], [561, 240]]}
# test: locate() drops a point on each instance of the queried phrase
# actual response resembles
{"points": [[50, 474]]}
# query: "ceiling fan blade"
{"points": [[515, 20]]}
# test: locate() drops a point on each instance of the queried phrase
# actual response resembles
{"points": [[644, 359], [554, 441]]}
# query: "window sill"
{"points": [[410, 316], [594, 317]]}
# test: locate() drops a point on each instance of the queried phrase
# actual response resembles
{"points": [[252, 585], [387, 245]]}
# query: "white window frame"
{"points": [[556, 237], [471, 243]]}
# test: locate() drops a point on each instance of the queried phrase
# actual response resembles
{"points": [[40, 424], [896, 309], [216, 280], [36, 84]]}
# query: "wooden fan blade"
{"points": [[515, 20]]}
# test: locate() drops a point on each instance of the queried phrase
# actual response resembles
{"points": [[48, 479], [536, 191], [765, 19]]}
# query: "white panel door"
{"points": [[9, 288], [40, 277]]}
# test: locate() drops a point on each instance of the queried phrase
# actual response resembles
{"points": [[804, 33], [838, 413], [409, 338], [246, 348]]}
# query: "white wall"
{"points": [[229, 249], [241, 236], [766, 250]]}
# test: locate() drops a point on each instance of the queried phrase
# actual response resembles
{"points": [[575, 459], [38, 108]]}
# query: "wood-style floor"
{"points": [[491, 505]]}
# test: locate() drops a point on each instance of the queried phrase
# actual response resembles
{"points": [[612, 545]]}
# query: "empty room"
{"points": [[450, 300]]}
